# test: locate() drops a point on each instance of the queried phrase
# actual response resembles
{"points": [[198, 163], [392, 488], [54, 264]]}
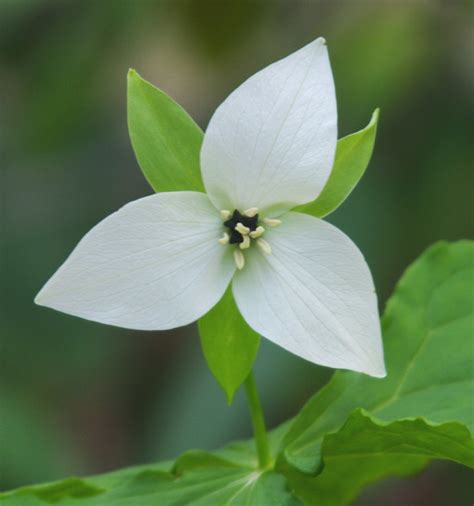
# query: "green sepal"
{"points": [[229, 345], [166, 140], [353, 154]]}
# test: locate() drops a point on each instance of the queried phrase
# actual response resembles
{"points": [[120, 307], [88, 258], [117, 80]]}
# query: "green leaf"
{"points": [[76, 488], [365, 436], [229, 344], [427, 330], [166, 140], [366, 449], [198, 478], [353, 154]]}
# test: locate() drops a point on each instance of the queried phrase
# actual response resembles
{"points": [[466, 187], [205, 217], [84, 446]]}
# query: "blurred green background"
{"points": [[78, 397]]}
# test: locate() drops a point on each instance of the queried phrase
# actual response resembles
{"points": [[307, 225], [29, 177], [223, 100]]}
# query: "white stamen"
{"points": [[242, 229], [224, 239], [245, 243], [271, 222], [257, 232], [225, 214], [251, 212], [239, 259], [264, 247]]}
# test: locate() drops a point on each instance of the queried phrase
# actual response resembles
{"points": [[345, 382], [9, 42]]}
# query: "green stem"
{"points": [[258, 422]]}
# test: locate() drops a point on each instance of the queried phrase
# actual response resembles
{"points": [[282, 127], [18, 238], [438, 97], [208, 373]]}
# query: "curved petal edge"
{"points": [[314, 296], [155, 264], [271, 143]]}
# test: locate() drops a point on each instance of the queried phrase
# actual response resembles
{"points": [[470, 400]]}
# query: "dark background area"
{"points": [[78, 397]]}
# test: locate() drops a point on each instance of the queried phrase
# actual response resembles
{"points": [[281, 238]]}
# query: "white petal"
{"points": [[271, 144], [314, 296], [155, 264]]}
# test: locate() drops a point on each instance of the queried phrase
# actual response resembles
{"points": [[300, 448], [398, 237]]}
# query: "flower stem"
{"points": [[258, 422]]}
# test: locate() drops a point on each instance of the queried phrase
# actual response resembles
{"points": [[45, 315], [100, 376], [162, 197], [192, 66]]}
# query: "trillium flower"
{"points": [[165, 260]]}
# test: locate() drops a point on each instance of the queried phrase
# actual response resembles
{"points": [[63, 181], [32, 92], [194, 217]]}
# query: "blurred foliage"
{"points": [[95, 398]]}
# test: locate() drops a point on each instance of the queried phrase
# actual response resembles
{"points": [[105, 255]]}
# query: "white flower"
{"points": [[163, 261]]}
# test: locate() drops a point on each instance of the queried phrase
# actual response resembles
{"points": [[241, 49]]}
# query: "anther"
{"points": [[257, 232], [245, 243], [271, 222], [224, 239], [239, 259], [225, 214], [250, 213], [242, 229], [264, 247]]}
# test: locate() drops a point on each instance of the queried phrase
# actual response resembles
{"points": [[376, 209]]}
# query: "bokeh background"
{"points": [[78, 397]]}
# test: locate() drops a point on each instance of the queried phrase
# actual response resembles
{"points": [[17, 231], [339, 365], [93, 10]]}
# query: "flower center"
{"points": [[243, 227], [240, 226]]}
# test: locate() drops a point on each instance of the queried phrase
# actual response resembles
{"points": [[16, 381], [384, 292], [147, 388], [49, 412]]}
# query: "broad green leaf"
{"points": [[366, 450], [427, 330], [197, 478], [229, 344], [353, 154], [77, 488], [365, 436], [166, 140]]}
